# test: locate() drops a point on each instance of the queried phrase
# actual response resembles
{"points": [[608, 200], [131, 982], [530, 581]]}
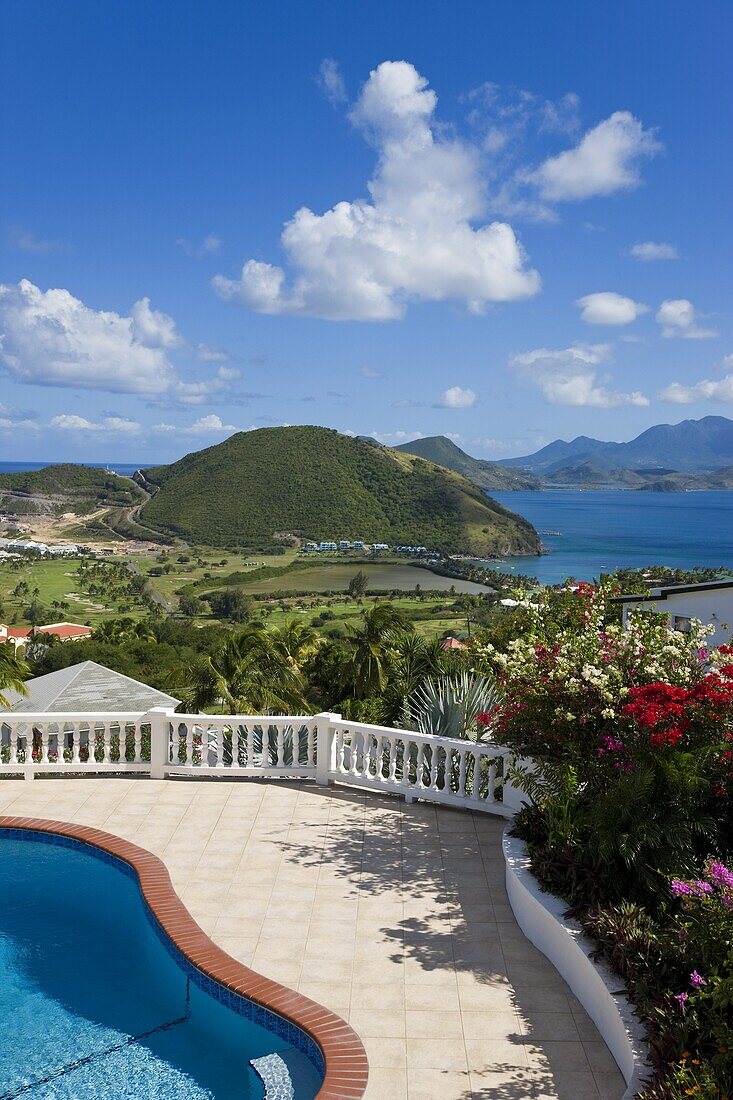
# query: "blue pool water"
{"points": [[603, 530], [94, 1006]]}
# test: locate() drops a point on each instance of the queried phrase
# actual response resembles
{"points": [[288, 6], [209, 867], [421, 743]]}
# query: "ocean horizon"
{"points": [[125, 469]]}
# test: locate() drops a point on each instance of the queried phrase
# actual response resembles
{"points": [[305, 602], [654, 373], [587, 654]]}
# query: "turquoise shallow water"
{"points": [[603, 530], [94, 1007]]}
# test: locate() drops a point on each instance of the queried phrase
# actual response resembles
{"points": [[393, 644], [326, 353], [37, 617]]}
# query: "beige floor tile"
{"points": [[394, 916]]}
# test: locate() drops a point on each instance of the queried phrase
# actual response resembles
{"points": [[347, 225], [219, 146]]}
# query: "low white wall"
{"points": [[540, 916]]}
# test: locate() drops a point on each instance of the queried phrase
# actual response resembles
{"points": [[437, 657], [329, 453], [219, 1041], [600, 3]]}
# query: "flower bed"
{"points": [[630, 818]]}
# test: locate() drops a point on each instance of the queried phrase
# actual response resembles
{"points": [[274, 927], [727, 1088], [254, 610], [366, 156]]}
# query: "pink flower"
{"points": [[681, 997], [697, 980], [719, 874], [695, 889]]}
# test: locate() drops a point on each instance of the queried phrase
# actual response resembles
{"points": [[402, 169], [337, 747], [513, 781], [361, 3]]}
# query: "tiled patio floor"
{"points": [[393, 916]]}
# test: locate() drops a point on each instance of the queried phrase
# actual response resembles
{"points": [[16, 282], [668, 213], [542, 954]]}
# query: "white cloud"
{"points": [[399, 436], [26, 241], [456, 397], [709, 389], [370, 372], [51, 338], [413, 240], [331, 81], [120, 425], [15, 420], [605, 160], [608, 308], [569, 376], [208, 246], [71, 422], [494, 445], [652, 250], [678, 318], [153, 328], [720, 389], [210, 425]]}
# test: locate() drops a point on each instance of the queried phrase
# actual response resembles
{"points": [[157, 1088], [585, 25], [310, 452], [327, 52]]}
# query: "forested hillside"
{"points": [[316, 483]]}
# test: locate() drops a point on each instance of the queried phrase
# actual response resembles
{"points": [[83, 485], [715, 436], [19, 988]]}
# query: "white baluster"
{"points": [[369, 743], [476, 789], [491, 795], [392, 759], [311, 761], [106, 742], [250, 746], [137, 749], [75, 743], [420, 765], [60, 742], [339, 750], [189, 744], [13, 744], [461, 773], [280, 741], [406, 761], [236, 744], [433, 767], [356, 753], [45, 731]]}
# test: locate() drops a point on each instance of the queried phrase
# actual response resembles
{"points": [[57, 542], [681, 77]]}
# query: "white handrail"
{"points": [[324, 747]]}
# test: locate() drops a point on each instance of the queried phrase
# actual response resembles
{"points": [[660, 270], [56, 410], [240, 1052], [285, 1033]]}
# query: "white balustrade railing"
{"points": [[324, 747], [117, 742], [220, 744]]}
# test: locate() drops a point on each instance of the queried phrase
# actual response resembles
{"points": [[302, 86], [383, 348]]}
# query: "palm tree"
{"points": [[13, 672], [250, 674], [416, 660], [370, 650], [297, 641], [124, 629]]}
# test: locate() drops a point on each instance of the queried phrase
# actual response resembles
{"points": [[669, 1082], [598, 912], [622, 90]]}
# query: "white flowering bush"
{"points": [[565, 682]]}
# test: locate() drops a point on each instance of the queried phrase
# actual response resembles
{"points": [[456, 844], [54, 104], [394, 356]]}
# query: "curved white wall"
{"points": [[540, 916]]}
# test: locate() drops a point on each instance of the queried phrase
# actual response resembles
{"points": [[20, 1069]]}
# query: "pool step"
{"points": [[275, 1076]]}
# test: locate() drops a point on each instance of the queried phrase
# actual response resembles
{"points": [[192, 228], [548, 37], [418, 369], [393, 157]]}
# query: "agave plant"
{"points": [[447, 706]]}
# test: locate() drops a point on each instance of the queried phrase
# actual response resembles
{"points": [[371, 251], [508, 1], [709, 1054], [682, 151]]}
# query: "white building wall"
{"points": [[714, 606]]}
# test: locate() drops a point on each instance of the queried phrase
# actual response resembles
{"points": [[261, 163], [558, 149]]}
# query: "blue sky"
{"points": [[505, 222]]}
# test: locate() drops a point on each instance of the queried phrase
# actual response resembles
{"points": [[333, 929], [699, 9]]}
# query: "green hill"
{"points": [[487, 475], [318, 484], [66, 487]]}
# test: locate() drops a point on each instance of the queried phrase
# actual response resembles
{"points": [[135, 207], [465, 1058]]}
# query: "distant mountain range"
{"points": [[487, 475], [694, 446], [696, 454]]}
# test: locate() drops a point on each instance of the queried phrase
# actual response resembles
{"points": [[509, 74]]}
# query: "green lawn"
{"points": [[183, 573], [335, 577], [55, 580]]}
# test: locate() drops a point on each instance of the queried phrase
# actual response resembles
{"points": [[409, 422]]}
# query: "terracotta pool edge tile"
{"points": [[345, 1059]]}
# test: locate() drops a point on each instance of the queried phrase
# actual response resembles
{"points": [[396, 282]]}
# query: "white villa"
{"points": [[710, 602]]}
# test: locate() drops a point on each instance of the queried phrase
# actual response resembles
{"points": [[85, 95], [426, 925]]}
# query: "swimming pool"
{"points": [[96, 1001]]}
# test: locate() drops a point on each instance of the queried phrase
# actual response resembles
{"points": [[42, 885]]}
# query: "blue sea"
{"points": [[125, 469], [586, 533]]}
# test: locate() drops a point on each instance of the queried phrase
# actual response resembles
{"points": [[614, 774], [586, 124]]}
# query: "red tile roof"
{"points": [[62, 630]]}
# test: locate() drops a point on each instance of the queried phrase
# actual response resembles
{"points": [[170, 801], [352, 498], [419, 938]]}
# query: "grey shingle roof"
{"points": [[86, 687]]}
